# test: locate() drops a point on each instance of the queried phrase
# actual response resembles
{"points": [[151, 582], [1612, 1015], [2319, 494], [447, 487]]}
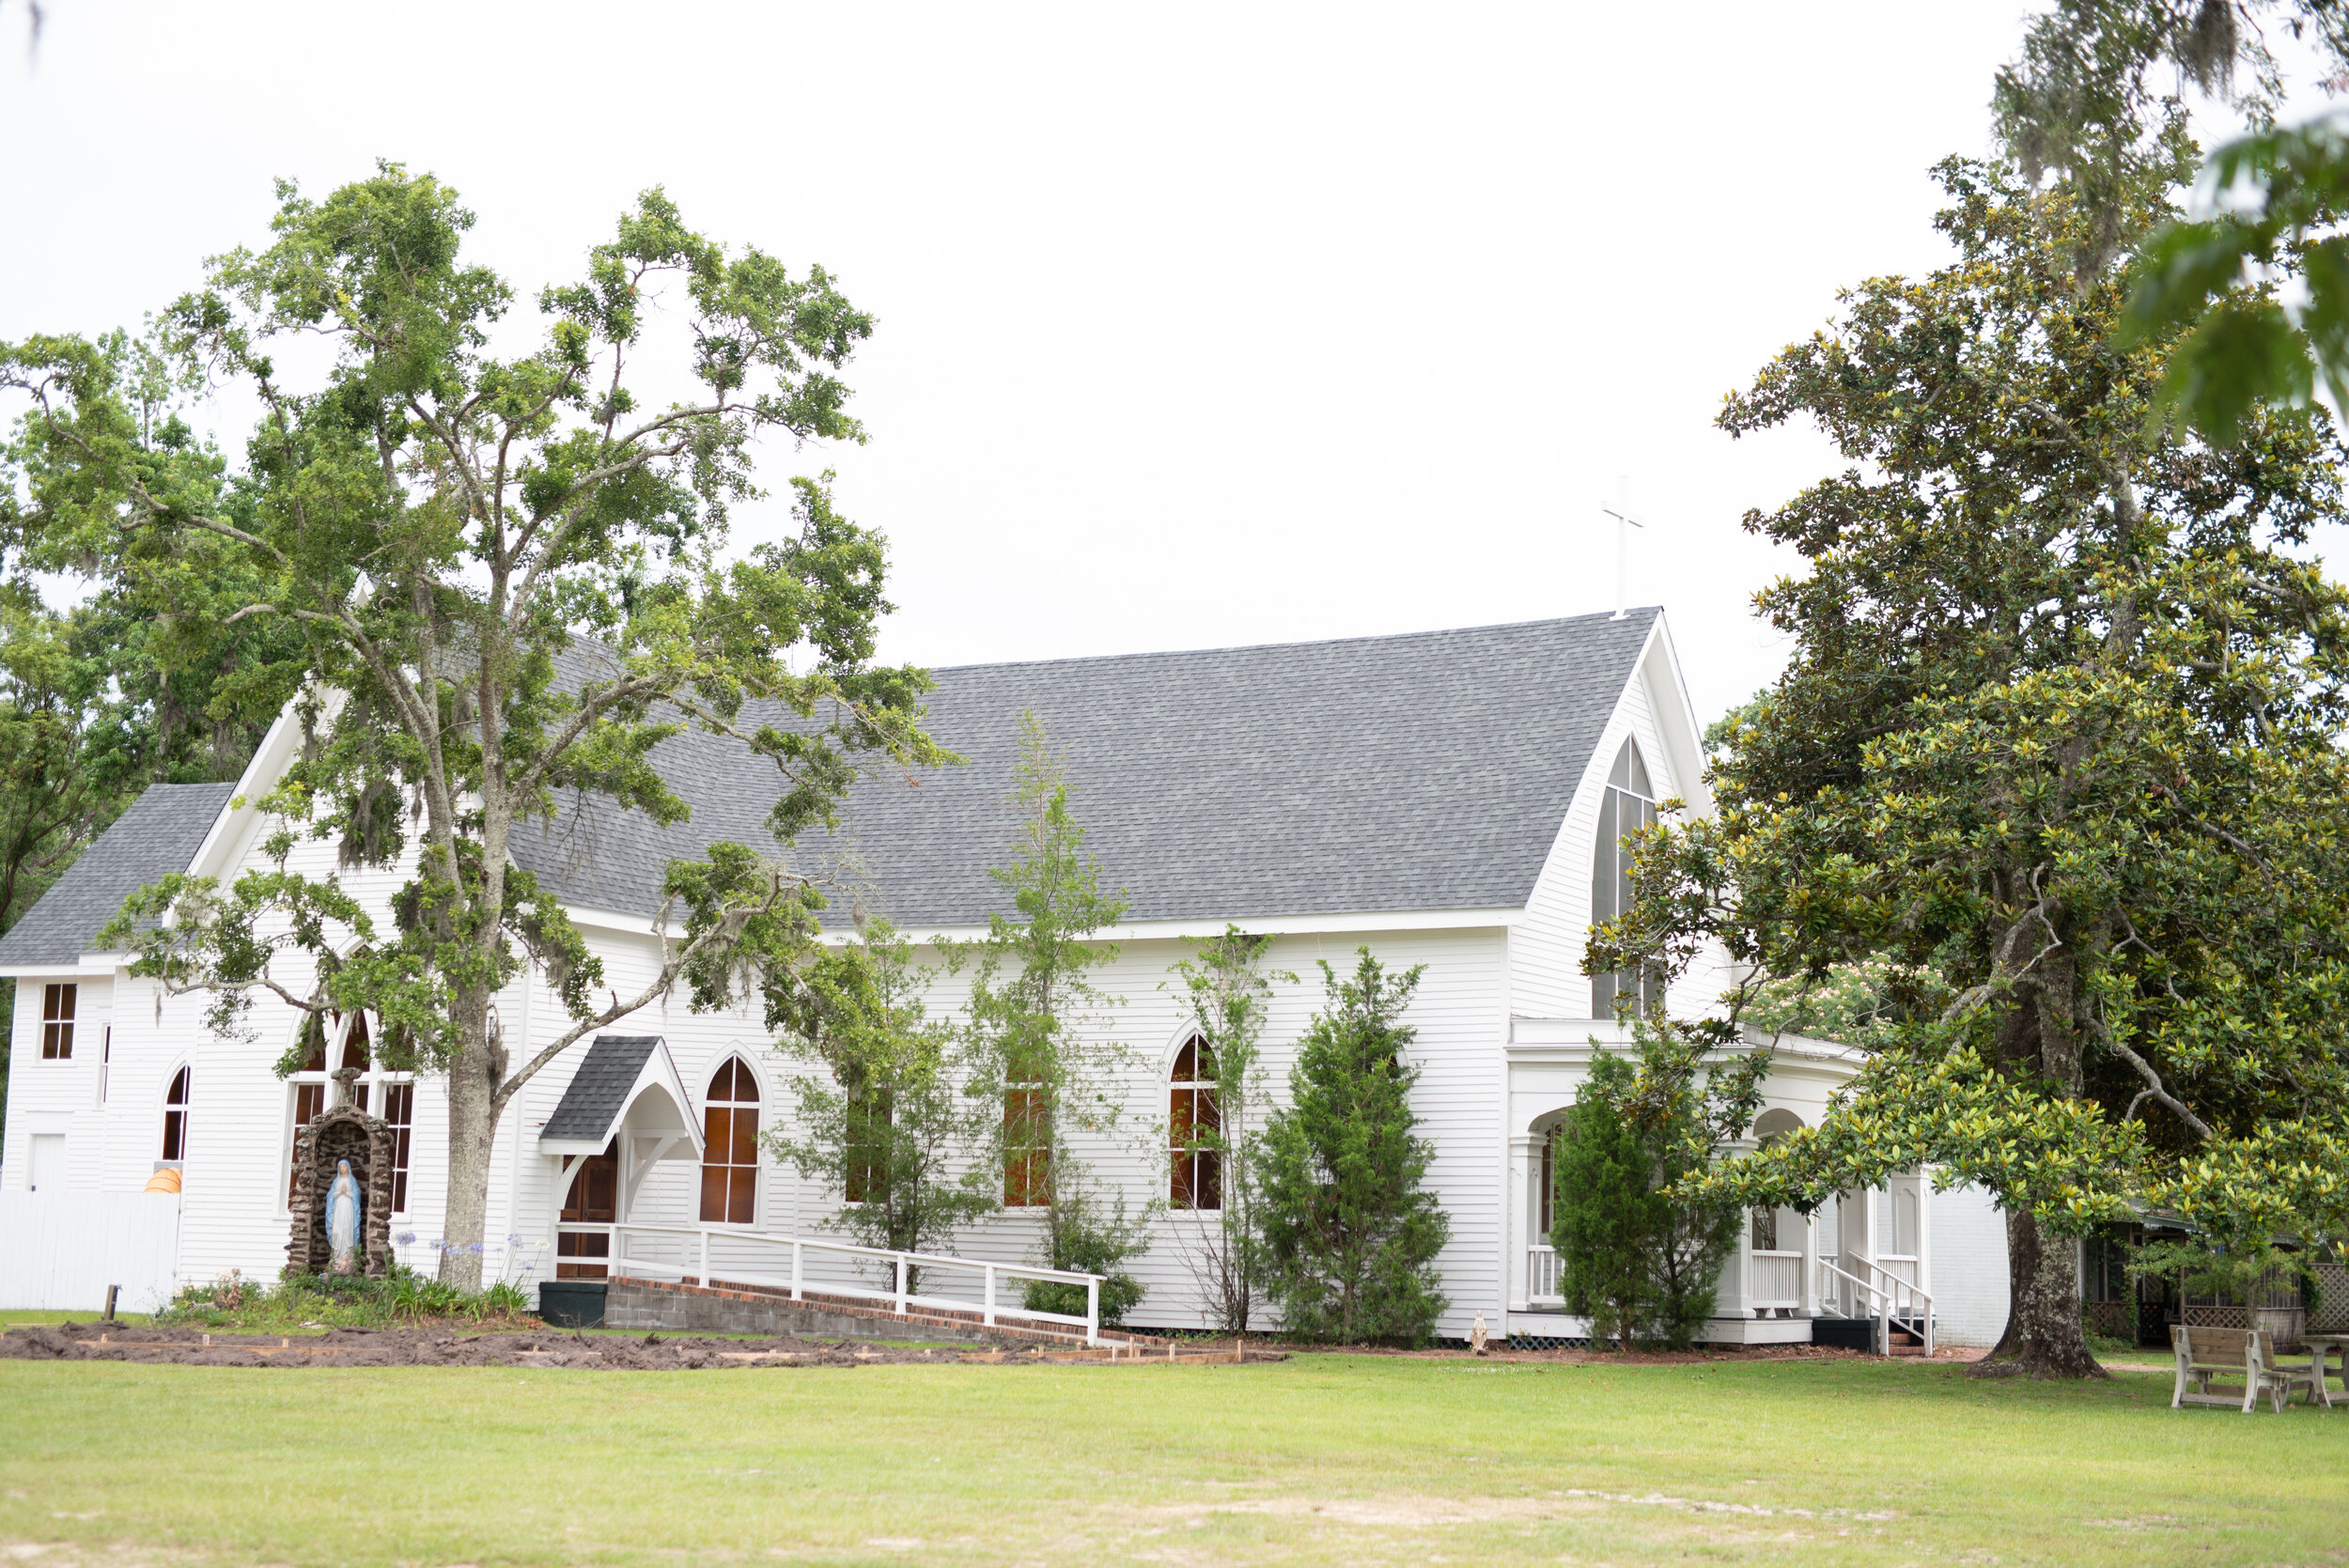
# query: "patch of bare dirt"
{"points": [[442, 1347]]}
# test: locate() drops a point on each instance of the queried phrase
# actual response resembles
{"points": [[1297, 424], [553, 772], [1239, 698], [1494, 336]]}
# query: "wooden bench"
{"points": [[2206, 1353]]}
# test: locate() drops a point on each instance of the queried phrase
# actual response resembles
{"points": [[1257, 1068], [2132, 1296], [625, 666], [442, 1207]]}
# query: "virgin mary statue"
{"points": [[343, 1205]]}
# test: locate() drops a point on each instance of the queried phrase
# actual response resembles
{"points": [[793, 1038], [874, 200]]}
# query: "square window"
{"points": [[56, 1022]]}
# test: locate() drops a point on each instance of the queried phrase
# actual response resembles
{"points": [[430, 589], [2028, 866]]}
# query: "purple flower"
{"points": [[405, 1238]]}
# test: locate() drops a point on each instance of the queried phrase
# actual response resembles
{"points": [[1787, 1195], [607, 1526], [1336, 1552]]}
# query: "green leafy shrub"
{"points": [[302, 1301], [1088, 1240], [1349, 1230], [1637, 1251]]}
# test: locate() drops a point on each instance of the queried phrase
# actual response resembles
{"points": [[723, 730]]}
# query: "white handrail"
{"points": [[1887, 1300], [899, 1297]]}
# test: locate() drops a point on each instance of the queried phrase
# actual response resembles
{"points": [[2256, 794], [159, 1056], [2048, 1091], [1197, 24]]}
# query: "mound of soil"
{"points": [[444, 1347]]}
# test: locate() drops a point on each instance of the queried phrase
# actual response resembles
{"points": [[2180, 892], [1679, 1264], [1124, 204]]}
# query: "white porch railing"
{"points": [[1775, 1280], [1541, 1275], [904, 1268], [1874, 1291]]}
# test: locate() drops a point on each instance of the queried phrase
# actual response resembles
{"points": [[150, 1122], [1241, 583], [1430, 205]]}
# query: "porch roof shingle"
{"points": [[599, 1090]]}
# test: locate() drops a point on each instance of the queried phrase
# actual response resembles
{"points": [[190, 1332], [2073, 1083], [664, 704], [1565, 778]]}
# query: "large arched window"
{"points": [[345, 1040], [176, 1116], [1193, 1120], [1628, 806], [730, 1146]]}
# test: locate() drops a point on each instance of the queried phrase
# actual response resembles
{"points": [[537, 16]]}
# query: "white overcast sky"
{"points": [[1199, 324]]}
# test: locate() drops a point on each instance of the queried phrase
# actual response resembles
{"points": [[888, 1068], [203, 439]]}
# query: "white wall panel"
{"points": [[64, 1249], [1970, 1289]]}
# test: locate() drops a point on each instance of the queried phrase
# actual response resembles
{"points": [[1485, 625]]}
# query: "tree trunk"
{"points": [[2045, 1337], [473, 1123]]}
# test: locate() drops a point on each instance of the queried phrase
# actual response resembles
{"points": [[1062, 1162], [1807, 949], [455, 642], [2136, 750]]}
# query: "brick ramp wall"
{"points": [[659, 1305]]}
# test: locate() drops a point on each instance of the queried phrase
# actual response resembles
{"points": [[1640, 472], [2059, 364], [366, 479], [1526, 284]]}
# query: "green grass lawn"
{"points": [[1320, 1459], [25, 1317]]}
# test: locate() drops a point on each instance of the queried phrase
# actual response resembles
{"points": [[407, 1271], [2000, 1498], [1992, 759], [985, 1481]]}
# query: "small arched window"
{"points": [[1195, 1121], [730, 1146], [1027, 1138], [176, 1116], [1627, 805]]}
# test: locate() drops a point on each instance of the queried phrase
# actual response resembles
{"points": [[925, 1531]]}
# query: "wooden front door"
{"points": [[594, 1200]]}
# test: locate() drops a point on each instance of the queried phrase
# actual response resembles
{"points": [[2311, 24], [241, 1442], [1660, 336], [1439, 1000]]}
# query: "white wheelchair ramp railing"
{"points": [[914, 1281]]}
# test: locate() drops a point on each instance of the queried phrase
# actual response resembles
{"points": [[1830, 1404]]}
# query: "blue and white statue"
{"points": [[343, 1207]]}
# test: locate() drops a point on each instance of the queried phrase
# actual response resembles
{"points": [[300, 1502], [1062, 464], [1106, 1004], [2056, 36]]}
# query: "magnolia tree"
{"points": [[2056, 758], [510, 579]]}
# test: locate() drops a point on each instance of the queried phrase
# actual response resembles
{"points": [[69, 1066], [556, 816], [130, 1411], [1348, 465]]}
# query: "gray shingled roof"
{"points": [[599, 1090], [1426, 772], [157, 835]]}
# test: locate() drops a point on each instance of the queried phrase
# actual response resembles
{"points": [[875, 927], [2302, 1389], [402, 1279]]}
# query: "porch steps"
{"points": [[725, 1306], [1859, 1333]]}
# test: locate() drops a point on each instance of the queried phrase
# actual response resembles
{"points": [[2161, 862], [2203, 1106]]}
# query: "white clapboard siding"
{"points": [[1545, 978], [1971, 1295], [1476, 979], [1458, 1011], [60, 1251]]}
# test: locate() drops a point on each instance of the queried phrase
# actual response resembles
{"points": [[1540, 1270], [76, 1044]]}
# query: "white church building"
{"points": [[1452, 800]]}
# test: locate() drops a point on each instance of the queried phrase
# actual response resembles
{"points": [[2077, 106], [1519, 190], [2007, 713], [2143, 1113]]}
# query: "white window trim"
{"points": [[41, 1022], [375, 1081], [758, 1150]]}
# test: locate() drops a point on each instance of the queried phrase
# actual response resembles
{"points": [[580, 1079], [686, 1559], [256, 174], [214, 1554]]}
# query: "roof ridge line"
{"points": [[1635, 613]]}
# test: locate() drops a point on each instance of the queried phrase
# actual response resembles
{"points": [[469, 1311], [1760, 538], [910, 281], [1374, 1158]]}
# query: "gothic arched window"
{"points": [[730, 1146], [345, 1040], [1193, 1120], [176, 1116], [1628, 806]]}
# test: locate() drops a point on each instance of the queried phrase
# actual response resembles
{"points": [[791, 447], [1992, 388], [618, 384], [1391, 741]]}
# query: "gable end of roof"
{"points": [[157, 835]]}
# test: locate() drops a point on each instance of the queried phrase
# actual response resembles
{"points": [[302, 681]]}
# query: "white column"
{"points": [[1738, 1289], [1524, 1167], [1925, 1229], [1811, 1264]]}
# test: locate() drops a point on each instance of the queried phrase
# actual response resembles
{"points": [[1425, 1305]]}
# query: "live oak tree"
{"points": [[1349, 1231], [2057, 744], [509, 576], [2090, 97], [141, 682]]}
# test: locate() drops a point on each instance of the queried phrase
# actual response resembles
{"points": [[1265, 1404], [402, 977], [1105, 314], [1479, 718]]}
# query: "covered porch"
{"points": [[1858, 1271]]}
